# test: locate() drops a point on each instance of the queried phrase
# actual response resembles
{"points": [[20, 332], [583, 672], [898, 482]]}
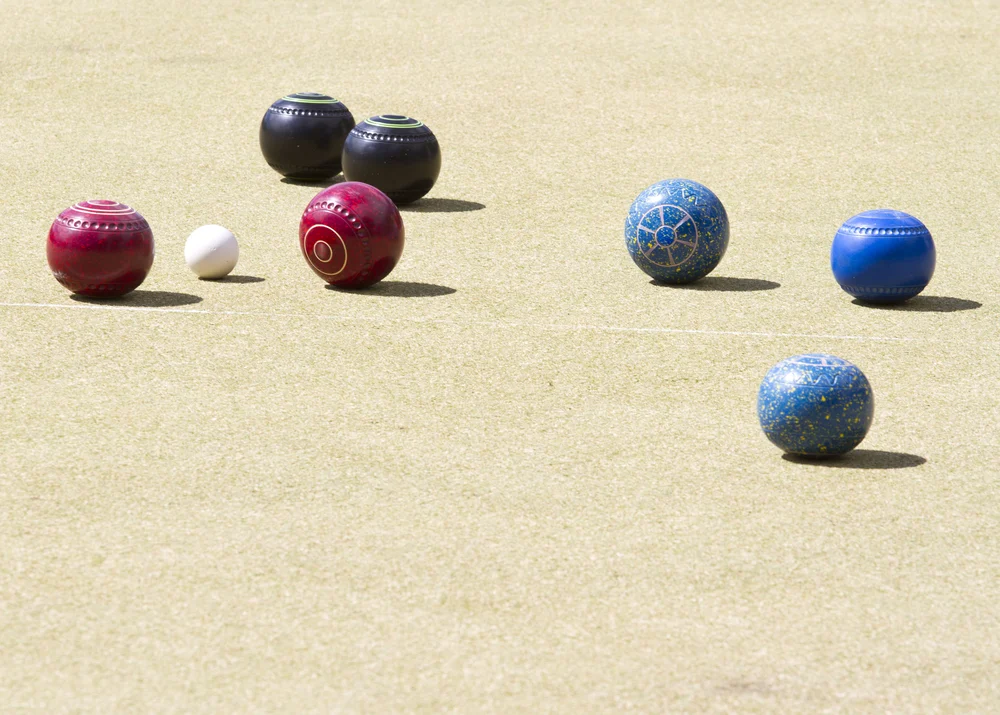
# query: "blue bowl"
{"points": [[815, 405], [677, 231], [883, 256]]}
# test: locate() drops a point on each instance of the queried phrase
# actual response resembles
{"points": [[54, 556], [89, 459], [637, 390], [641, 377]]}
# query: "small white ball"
{"points": [[211, 251]]}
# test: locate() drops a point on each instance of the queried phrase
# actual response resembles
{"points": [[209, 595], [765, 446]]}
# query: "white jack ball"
{"points": [[211, 251]]}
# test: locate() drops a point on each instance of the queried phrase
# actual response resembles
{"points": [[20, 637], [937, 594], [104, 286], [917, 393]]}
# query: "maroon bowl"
{"points": [[100, 248], [351, 234]]}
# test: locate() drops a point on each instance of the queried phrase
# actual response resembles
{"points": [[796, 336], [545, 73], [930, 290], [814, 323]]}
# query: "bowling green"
{"points": [[515, 477]]}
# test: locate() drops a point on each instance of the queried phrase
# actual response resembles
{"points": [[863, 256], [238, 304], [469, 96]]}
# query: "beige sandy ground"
{"points": [[517, 477]]}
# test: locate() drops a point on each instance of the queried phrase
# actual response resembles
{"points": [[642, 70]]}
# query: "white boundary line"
{"points": [[445, 321]]}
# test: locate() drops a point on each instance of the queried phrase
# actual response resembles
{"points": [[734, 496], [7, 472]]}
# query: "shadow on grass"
{"points": [[925, 304], [234, 279], [861, 459], [398, 289], [444, 206], [315, 183], [144, 299], [722, 284]]}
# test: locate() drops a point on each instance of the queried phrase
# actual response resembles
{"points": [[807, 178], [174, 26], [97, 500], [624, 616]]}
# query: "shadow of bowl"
{"points": [[144, 299], [434, 205], [925, 304], [315, 183], [722, 284], [397, 289], [861, 459]]}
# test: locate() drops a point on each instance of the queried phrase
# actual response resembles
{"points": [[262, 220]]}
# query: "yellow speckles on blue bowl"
{"points": [[815, 405], [677, 231]]}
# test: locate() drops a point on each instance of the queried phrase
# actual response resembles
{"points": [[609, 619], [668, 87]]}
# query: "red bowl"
{"points": [[100, 248], [351, 234]]}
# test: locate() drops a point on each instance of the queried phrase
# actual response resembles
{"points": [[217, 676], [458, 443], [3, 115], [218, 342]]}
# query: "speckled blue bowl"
{"points": [[815, 405], [883, 256], [677, 231]]}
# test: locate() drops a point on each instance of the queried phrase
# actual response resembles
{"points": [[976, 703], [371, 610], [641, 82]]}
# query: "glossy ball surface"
{"points": [[677, 231], [351, 234], [398, 155], [211, 252], [883, 256], [815, 405], [302, 135], [100, 248]]}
